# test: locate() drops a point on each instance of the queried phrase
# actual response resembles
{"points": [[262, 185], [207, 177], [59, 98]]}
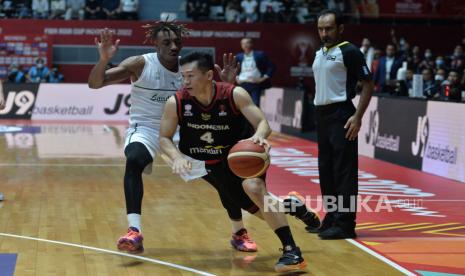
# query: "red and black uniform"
{"points": [[208, 133]]}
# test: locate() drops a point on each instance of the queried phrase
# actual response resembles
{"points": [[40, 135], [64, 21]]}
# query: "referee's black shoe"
{"points": [[326, 223], [290, 261], [337, 233], [296, 206]]}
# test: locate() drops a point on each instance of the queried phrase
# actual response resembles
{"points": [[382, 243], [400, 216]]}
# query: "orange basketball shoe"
{"points": [[131, 242], [242, 242]]}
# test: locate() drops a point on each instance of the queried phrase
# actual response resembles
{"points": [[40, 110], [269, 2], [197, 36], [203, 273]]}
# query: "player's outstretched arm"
{"points": [[100, 75], [253, 114], [169, 123]]}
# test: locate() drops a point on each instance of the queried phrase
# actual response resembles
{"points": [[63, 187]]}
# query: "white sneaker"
{"points": [[1, 196]]}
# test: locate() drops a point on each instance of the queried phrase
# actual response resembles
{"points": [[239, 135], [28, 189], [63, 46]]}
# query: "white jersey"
{"points": [[151, 91]]}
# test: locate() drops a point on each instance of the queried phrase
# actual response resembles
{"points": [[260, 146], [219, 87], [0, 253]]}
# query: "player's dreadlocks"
{"points": [[152, 29]]}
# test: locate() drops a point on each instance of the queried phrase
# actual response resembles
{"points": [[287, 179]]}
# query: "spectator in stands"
{"points": [[93, 9], [409, 78], [386, 73], [8, 8], [75, 9], [198, 10], [401, 88], [269, 11], [265, 9], [191, 10], [430, 88], [255, 70], [302, 11], [110, 9], [440, 76], [129, 9], [288, 11], [403, 47], [15, 74], [314, 8], [38, 72], [440, 63], [40, 9], [335, 5], [375, 62], [54, 76], [23, 8], [249, 8], [414, 58], [451, 89], [232, 12], [57, 9], [457, 60], [368, 51], [217, 9], [427, 62]]}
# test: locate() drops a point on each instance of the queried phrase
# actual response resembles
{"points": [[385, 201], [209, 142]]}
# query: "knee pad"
{"points": [[137, 155]]}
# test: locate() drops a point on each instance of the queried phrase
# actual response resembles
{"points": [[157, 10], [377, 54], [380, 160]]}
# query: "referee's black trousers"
{"points": [[337, 164]]}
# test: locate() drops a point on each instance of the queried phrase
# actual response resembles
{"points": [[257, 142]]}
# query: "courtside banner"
{"points": [[440, 140], [19, 100], [290, 113], [369, 130], [79, 102], [271, 103], [397, 119]]}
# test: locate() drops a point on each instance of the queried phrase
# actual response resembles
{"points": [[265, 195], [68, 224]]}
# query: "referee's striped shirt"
{"points": [[336, 70]]}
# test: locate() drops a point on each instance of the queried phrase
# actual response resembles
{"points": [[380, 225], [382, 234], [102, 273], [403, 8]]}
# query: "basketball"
{"points": [[248, 160]]}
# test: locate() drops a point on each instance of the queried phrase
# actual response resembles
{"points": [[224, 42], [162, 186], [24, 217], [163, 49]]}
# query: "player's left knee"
{"points": [[254, 187]]}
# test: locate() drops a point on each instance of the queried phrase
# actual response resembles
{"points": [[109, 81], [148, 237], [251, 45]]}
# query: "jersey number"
{"points": [[207, 137]]}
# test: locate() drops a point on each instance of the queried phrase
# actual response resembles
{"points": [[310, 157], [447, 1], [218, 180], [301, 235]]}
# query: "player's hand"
{"points": [[181, 166], [353, 127], [106, 48], [230, 68], [262, 142]]}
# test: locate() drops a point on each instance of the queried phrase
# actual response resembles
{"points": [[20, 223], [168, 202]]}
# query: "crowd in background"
{"points": [[36, 73], [394, 67], [70, 9], [249, 11], [291, 11]]}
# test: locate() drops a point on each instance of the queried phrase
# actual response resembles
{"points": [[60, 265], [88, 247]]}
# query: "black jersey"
{"points": [[209, 132]]}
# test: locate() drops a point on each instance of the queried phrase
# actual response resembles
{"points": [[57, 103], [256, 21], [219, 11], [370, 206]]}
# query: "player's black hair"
{"points": [[204, 60]]}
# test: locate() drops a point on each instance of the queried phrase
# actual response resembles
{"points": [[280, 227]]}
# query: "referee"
{"points": [[337, 67]]}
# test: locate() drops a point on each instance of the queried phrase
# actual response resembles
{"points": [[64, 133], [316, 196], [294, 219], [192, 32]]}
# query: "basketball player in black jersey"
{"points": [[211, 119]]}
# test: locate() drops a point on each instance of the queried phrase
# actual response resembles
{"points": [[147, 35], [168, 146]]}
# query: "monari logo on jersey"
{"points": [[210, 127], [213, 151]]}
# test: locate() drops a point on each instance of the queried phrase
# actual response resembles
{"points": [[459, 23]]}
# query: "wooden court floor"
{"points": [[64, 210]]}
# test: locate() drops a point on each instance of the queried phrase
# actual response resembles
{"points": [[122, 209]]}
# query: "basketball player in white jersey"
{"points": [[154, 77]]}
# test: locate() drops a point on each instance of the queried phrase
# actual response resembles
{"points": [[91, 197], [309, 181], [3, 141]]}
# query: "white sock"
{"points": [[237, 225], [134, 221]]}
